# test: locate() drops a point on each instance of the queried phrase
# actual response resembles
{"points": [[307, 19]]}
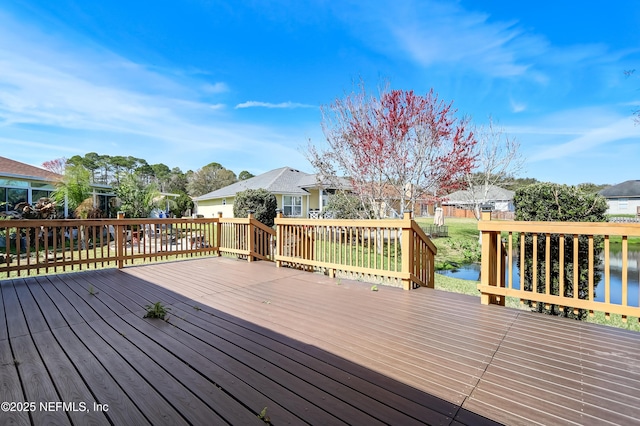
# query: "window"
{"points": [[36, 194], [18, 183], [623, 203], [15, 196], [3, 199], [41, 185], [292, 205]]}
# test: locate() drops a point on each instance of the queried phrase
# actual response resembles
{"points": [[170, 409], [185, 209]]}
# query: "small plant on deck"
{"points": [[157, 310], [264, 417]]}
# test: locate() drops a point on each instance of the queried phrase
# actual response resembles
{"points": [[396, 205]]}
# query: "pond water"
{"points": [[472, 272]]}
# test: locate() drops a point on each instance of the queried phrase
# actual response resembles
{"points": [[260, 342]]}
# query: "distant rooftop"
{"points": [[495, 193], [285, 180], [15, 169], [629, 188]]}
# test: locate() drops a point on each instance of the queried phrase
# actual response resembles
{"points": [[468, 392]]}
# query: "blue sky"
{"points": [[189, 82]]}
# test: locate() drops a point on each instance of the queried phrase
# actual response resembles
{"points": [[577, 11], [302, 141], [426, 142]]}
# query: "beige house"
{"points": [[298, 194]]}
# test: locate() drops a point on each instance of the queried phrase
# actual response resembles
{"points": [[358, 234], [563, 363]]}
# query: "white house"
{"points": [[623, 198]]}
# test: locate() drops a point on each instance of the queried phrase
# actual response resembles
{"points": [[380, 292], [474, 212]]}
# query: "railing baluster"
{"points": [[547, 269], [576, 267], [590, 296], [607, 271], [534, 281], [625, 254]]}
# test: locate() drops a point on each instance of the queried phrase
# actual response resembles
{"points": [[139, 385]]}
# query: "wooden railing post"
{"points": [[431, 259], [120, 241], [407, 251], [251, 237], [219, 233], [488, 271], [278, 248]]}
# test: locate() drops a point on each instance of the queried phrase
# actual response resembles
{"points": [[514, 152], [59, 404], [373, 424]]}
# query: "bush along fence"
{"points": [[396, 250], [562, 266]]}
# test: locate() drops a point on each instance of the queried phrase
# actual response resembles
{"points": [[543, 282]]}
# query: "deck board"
{"points": [[241, 337], [38, 385], [16, 322]]}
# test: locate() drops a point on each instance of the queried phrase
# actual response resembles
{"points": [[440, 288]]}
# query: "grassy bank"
{"points": [[458, 249]]}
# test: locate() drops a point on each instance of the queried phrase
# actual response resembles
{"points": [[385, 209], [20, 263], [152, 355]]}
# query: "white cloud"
{"points": [[287, 105], [63, 97], [215, 88], [517, 106], [433, 33], [589, 139]]}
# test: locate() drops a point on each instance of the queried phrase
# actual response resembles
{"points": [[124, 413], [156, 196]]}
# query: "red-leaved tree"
{"points": [[395, 148], [56, 165]]}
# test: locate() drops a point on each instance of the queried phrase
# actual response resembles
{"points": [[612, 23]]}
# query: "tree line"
{"points": [[139, 186], [110, 169]]}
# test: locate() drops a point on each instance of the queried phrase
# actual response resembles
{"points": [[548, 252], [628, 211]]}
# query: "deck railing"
{"points": [[52, 246], [391, 249], [569, 278], [246, 237], [395, 249]]}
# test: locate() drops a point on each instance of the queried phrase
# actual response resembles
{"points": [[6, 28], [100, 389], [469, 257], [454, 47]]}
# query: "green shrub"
{"points": [[344, 205], [182, 203], [260, 201], [559, 203]]}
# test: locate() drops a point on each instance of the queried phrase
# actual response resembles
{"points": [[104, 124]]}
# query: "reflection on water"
{"points": [[472, 272]]}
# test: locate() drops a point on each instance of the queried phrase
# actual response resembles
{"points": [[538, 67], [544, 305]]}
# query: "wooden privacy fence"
{"points": [[561, 264], [393, 249], [52, 246]]}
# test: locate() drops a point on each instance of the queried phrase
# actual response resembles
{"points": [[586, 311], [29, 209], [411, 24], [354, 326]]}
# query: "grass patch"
{"points": [[456, 285], [387, 256], [615, 321], [615, 243], [460, 247]]}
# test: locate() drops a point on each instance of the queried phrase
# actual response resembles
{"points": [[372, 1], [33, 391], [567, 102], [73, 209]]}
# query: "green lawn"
{"points": [[460, 247]]}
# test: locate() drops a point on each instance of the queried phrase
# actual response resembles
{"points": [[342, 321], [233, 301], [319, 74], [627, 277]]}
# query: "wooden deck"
{"points": [[244, 336]]}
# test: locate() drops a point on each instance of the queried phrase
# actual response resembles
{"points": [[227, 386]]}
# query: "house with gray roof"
{"points": [[623, 198], [299, 194]]}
